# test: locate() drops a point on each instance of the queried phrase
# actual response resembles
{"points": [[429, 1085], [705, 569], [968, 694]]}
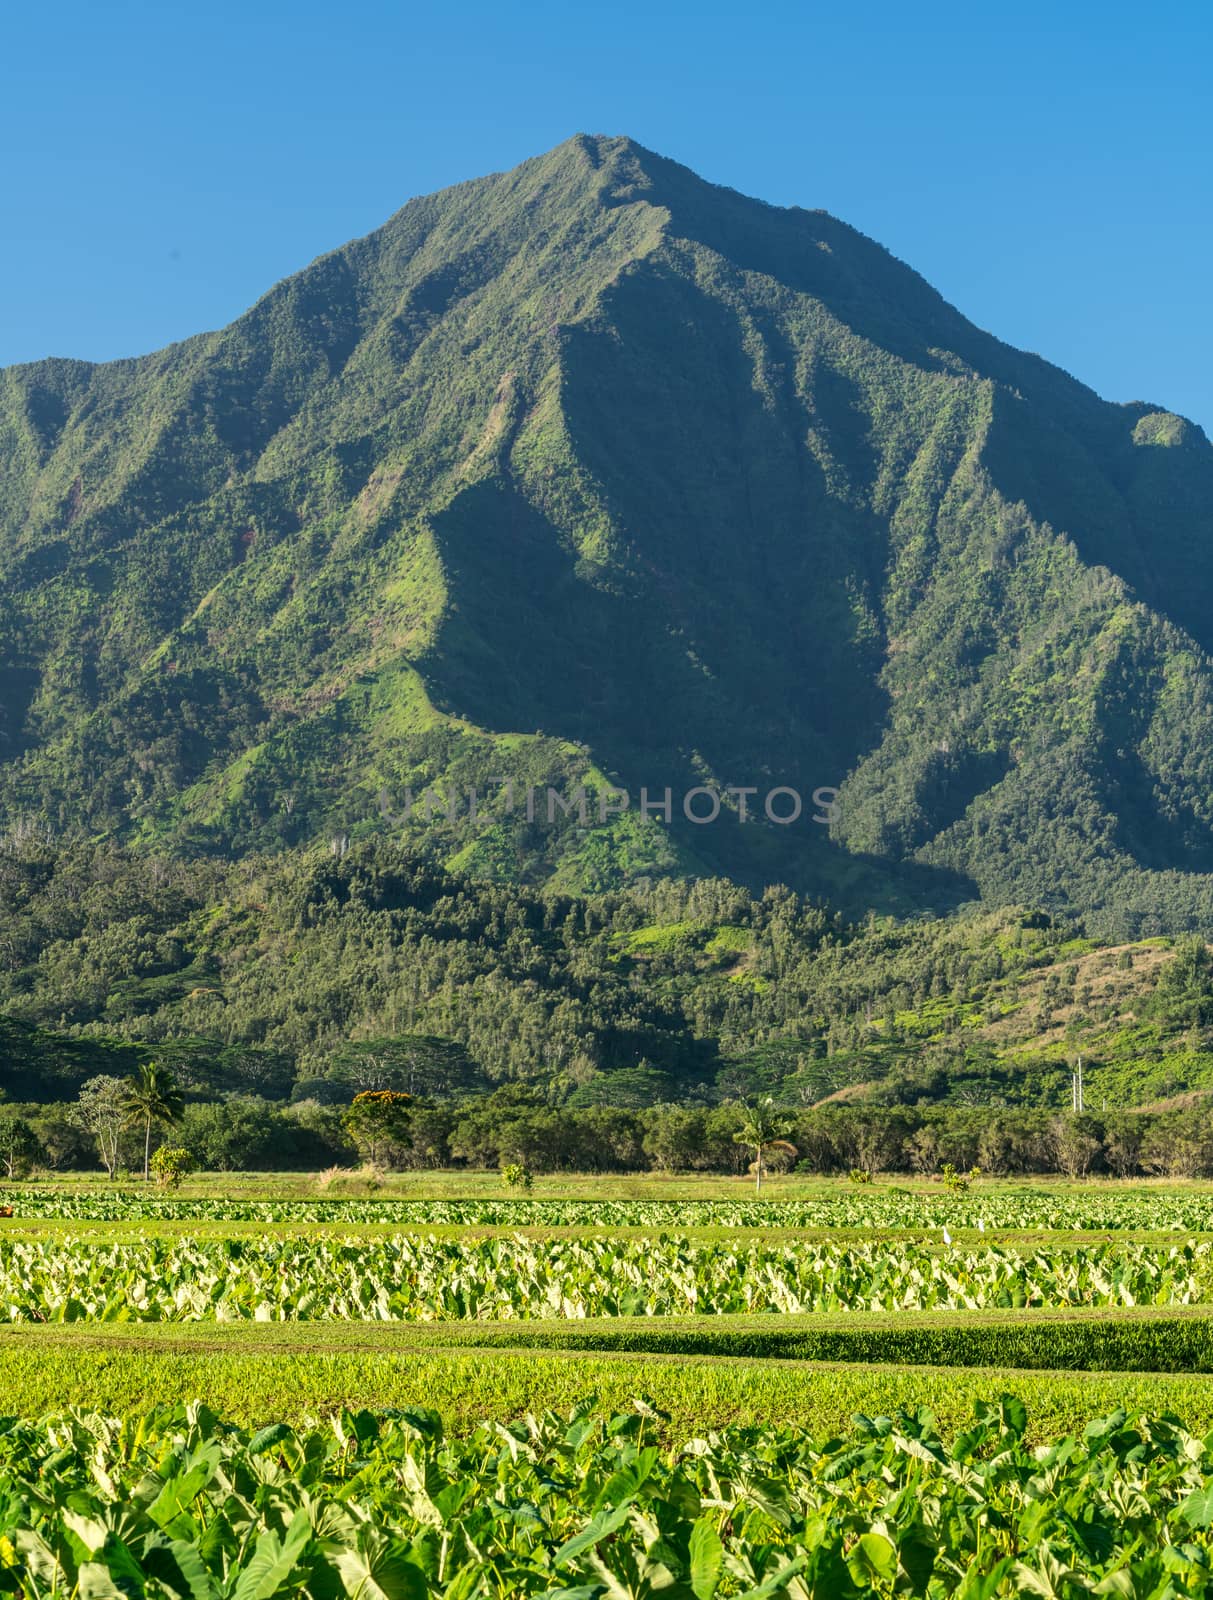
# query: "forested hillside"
{"points": [[591, 472], [314, 976]]}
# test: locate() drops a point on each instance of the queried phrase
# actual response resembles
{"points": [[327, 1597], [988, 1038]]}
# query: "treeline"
{"points": [[515, 1126]]}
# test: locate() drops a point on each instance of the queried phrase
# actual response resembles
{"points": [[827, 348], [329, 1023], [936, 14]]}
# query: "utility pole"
{"points": [[1076, 1098]]}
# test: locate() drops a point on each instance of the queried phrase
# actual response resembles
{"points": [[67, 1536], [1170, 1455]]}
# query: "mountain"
{"points": [[592, 472]]}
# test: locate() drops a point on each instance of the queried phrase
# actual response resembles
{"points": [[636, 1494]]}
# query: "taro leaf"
{"points": [[778, 1581], [361, 1425], [842, 1465], [978, 1585], [86, 1533], [273, 1561], [1013, 1415], [916, 1552], [1197, 1509], [180, 1492], [1119, 1582], [628, 1481], [268, 1438], [41, 1560], [648, 1407], [378, 1568], [624, 1427], [707, 1558], [873, 1560], [420, 1420], [1050, 1577], [95, 1583], [1103, 1427], [450, 1500], [177, 1564], [597, 1528]]}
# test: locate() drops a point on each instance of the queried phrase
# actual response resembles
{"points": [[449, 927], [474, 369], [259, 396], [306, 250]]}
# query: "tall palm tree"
{"points": [[762, 1129], [152, 1097]]}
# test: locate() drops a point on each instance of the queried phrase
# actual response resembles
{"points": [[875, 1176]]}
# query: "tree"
{"points": [[674, 1136], [19, 1144], [63, 1141], [1183, 996], [1123, 1137], [102, 1111], [379, 1122], [151, 1097], [763, 1128], [242, 1133], [1075, 1145], [411, 1063]]}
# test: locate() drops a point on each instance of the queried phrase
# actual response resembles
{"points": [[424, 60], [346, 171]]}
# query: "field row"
{"points": [[418, 1277], [1001, 1210], [1144, 1340], [255, 1382], [582, 1505]]}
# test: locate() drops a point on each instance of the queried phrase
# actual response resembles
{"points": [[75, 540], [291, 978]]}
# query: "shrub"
{"points": [[169, 1166]]}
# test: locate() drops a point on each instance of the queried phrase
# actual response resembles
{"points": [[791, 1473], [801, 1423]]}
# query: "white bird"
{"points": [[947, 1237], [981, 1224]]}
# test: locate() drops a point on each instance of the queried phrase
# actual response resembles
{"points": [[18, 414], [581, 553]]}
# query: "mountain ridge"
{"points": [[574, 467]]}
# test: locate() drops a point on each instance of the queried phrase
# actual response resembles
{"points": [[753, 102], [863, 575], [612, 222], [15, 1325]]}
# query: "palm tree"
{"points": [[152, 1097], [762, 1129]]}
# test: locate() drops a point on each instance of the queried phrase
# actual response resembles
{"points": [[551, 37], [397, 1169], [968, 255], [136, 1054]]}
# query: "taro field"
{"points": [[889, 1392]]}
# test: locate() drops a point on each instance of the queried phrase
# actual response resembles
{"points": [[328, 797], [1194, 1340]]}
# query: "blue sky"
{"points": [[1046, 166]]}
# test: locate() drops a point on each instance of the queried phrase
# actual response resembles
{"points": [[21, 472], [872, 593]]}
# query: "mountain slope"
{"points": [[593, 471]]}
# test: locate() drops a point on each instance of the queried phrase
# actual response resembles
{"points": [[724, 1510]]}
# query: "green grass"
{"points": [[1148, 1343], [452, 1184], [40, 1375], [1178, 1340]]}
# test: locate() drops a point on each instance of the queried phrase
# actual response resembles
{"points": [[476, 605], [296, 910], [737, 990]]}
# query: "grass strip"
{"points": [[1154, 1344], [254, 1387], [1144, 1339]]}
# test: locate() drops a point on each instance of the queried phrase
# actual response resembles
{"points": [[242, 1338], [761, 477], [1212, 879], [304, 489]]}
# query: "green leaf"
{"points": [[777, 1580], [707, 1558], [268, 1438], [379, 1569], [627, 1482], [978, 1585], [916, 1554], [1197, 1509], [273, 1561], [179, 1566], [94, 1582], [181, 1490], [606, 1522], [873, 1560]]}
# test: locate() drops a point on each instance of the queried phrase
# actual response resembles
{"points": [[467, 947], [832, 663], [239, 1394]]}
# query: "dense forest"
{"points": [[310, 975]]}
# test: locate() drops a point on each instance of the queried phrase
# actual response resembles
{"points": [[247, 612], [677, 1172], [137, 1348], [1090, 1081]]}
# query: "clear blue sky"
{"points": [[1047, 166]]}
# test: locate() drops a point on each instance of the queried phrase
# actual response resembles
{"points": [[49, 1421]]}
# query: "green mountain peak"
{"points": [[592, 473]]}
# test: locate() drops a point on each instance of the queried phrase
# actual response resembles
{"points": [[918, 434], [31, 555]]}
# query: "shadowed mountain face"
{"points": [[592, 470]]}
